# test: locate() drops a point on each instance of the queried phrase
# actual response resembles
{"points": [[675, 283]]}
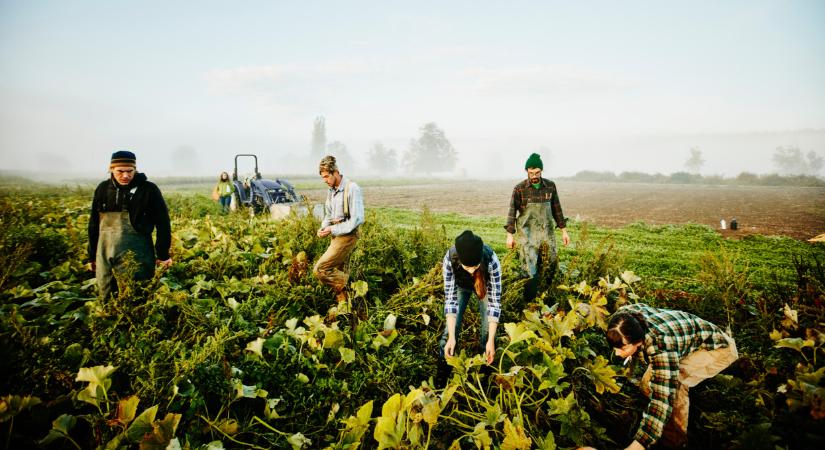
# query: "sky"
{"points": [[591, 85]]}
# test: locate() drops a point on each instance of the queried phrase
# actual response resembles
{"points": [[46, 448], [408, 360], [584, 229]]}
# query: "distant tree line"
{"points": [[431, 152], [743, 179]]}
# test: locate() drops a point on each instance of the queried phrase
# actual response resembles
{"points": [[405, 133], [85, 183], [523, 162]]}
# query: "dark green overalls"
{"points": [[117, 237]]}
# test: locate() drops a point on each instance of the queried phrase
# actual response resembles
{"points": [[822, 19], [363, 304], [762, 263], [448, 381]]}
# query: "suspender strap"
{"points": [[346, 201]]}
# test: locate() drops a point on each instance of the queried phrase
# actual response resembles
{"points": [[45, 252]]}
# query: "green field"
{"points": [[238, 346]]}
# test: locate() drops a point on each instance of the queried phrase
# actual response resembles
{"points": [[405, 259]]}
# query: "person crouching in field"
{"points": [[126, 208], [223, 191], [343, 214], [682, 351], [470, 267]]}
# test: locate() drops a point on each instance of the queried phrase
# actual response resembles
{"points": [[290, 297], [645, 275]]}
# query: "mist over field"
{"points": [[187, 88]]}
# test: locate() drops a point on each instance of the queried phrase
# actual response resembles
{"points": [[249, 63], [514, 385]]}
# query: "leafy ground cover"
{"points": [[238, 346]]}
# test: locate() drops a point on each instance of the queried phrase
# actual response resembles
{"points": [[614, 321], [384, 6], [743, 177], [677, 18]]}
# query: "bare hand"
{"points": [[511, 242], [449, 347], [635, 445], [490, 351], [565, 238], [165, 263], [324, 231]]}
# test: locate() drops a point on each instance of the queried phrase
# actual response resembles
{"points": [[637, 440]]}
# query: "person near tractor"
{"points": [[343, 214], [470, 266], [126, 209], [534, 205], [682, 350], [223, 191]]}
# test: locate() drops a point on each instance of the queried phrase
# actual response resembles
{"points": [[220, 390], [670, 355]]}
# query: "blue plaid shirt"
{"points": [[493, 288]]}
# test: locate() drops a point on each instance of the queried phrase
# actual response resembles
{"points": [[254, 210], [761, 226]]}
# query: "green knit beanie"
{"points": [[534, 161]]}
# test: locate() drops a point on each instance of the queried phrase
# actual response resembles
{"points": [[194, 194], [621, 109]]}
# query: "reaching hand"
{"points": [[449, 347], [324, 231], [165, 263], [565, 238], [490, 351], [511, 242]]}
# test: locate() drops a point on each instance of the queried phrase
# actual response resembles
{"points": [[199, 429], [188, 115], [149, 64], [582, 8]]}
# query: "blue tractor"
{"points": [[274, 197]]}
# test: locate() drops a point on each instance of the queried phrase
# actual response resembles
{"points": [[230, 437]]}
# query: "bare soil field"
{"points": [[788, 211]]}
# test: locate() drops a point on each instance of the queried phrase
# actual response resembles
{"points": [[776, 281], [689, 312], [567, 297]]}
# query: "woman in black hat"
{"points": [[471, 266]]}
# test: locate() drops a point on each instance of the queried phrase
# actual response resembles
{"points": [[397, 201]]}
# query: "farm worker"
{"points": [[223, 191], [343, 214], [533, 207], [471, 266], [682, 350], [126, 208]]}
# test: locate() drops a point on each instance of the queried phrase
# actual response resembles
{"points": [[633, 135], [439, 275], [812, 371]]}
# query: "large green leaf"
{"points": [[142, 424], [99, 381]]}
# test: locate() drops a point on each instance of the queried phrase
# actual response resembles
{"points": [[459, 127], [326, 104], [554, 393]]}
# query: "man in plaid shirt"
{"points": [[534, 206], [682, 350]]}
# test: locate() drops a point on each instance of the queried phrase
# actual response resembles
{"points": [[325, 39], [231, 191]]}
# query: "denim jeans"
{"points": [[463, 298], [226, 200]]}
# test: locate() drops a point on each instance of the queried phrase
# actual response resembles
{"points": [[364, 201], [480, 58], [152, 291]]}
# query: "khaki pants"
{"points": [[331, 268], [693, 369]]}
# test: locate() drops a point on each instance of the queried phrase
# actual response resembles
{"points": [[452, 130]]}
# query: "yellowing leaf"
{"points": [[603, 375], [333, 338], [256, 347], [347, 354], [515, 437], [360, 288], [518, 332], [142, 424], [629, 277], [126, 409]]}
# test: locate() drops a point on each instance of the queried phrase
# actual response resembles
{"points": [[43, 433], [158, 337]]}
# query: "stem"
{"points": [[212, 425], [11, 427], [259, 420]]}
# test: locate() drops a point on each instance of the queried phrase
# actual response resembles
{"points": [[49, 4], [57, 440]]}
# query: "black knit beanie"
{"points": [[469, 248]]}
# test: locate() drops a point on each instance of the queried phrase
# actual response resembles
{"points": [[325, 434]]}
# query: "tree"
{"points": [[186, 156], [695, 162], [342, 156], [319, 138], [381, 159], [431, 152], [791, 161]]}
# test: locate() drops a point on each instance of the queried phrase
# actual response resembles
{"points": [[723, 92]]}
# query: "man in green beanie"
{"points": [[533, 207]]}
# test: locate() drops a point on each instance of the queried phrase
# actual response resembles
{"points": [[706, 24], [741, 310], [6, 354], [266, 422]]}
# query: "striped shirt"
{"points": [[493, 288], [334, 208], [671, 336], [525, 193]]}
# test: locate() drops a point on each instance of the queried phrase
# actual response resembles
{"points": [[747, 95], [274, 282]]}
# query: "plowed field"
{"points": [[787, 211]]}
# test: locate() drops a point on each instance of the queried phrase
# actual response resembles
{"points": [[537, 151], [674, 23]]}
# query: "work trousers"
{"points": [[693, 369], [332, 267]]}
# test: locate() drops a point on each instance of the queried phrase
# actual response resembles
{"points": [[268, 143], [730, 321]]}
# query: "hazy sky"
{"points": [[600, 85]]}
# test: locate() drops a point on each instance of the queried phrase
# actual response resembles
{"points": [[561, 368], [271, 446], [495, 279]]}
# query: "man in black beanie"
{"points": [[126, 209], [533, 207], [470, 267]]}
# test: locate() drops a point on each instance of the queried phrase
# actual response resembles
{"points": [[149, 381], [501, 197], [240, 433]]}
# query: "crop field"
{"points": [[237, 345]]}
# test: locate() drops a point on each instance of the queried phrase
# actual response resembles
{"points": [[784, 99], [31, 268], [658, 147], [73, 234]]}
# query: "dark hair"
{"points": [[626, 328]]}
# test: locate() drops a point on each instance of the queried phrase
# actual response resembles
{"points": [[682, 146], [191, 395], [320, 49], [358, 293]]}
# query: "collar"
{"points": [[341, 185]]}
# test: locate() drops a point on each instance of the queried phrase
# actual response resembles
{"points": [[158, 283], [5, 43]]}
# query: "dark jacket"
{"points": [[463, 278], [147, 212]]}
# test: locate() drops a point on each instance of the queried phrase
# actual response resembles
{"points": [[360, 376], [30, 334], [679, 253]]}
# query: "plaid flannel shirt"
{"points": [[671, 336], [525, 193], [493, 288]]}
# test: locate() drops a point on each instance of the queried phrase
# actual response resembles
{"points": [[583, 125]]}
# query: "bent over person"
{"points": [[682, 350], [470, 267], [533, 207], [343, 214], [126, 209]]}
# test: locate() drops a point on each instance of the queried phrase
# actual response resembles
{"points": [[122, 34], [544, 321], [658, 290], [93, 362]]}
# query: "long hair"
{"points": [[480, 283], [626, 328], [220, 178]]}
